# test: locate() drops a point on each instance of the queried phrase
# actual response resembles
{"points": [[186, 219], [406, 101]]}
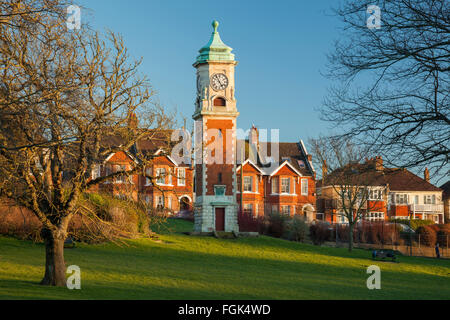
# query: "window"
{"points": [[148, 172], [374, 216], [108, 170], [181, 176], [275, 185], [121, 178], [274, 208], [304, 187], [169, 202], [286, 210], [170, 176], [248, 208], [161, 176], [375, 194], [96, 172], [248, 182], [342, 218], [285, 185], [416, 199], [160, 203], [401, 198], [429, 199]]}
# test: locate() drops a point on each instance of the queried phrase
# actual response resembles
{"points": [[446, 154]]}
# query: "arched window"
{"points": [[219, 102]]}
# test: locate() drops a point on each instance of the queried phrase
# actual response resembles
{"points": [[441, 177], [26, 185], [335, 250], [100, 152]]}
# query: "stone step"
{"points": [[224, 235]]}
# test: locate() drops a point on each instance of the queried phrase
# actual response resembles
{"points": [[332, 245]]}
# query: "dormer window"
{"points": [[219, 102]]}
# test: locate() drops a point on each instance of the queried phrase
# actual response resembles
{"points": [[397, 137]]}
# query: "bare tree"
{"points": [[61, 94], [27, 13], [394, 92], [350, 179]]}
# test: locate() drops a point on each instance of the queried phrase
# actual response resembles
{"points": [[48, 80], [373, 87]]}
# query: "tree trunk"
{"points": [[55, 267], [350, 238]]}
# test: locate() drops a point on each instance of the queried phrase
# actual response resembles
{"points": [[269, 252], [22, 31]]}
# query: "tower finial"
{"points": [[215, 25]]}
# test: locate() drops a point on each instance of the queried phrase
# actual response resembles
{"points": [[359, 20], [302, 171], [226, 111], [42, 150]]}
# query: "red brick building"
{"points": [[287, 187], [393, 194], [172, 188]]}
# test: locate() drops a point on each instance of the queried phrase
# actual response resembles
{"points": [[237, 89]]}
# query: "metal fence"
{"points": [[383, 237]]}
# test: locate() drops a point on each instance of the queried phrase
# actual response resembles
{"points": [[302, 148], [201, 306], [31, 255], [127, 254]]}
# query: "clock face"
{"points": [[219, 81]]}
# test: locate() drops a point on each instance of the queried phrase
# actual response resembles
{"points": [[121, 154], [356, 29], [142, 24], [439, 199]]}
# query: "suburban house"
{"points": [[392, 194], [287, 188], [172, 188]]}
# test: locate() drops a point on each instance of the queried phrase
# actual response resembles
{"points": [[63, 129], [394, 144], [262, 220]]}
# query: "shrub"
{"points": [[415, 223], [19, 222], [276, 224], [296, 229], [249, 223], [121, 219], [427, 235], [319, 233], [442, 234]]}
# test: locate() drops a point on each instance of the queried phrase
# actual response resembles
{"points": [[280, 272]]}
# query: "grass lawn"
{"points": [[187, 267]]}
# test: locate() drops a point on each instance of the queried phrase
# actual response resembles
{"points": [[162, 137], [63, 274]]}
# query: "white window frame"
{"points": [[375, 194], [122, 178], [284, 185], [304, 187], [248, 208], [148, 172], [247, 184], [275, 185], [96, 172], [160, 202], [161, 176], [181, 177], [286, 212], [401, 198]]}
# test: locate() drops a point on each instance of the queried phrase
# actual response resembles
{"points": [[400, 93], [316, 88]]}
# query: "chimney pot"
{"points": [[426, 175]]}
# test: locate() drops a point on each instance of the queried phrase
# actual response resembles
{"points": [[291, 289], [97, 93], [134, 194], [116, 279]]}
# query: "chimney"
{"points": [[253, 137], [426, 175], [379, 163]]}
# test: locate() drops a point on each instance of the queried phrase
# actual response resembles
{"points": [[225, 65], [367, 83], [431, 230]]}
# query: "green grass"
{"points": [[188, 267]]}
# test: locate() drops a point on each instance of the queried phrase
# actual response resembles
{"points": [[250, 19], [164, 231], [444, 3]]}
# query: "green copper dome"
{"points": [[215, 49]]}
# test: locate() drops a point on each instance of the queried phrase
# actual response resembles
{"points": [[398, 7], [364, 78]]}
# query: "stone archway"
{"points": [[185, 203], [308, 212]]}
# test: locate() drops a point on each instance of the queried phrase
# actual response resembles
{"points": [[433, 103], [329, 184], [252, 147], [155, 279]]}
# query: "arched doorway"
{"points": [[308, 212], [185, 204]]}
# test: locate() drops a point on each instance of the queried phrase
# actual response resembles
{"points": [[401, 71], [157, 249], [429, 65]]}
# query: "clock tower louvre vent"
{"points": [[220, 102]]}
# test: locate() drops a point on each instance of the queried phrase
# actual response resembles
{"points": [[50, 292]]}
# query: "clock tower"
{"points": [[215, 143]]}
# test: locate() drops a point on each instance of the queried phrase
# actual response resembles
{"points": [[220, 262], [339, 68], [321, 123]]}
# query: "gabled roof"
{"points": [[286, 163], [397, 179], [293, 153], [251, 163], [404, 180]]}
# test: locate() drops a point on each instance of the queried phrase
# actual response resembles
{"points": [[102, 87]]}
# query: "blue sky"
{"points": [[281, 47]]}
